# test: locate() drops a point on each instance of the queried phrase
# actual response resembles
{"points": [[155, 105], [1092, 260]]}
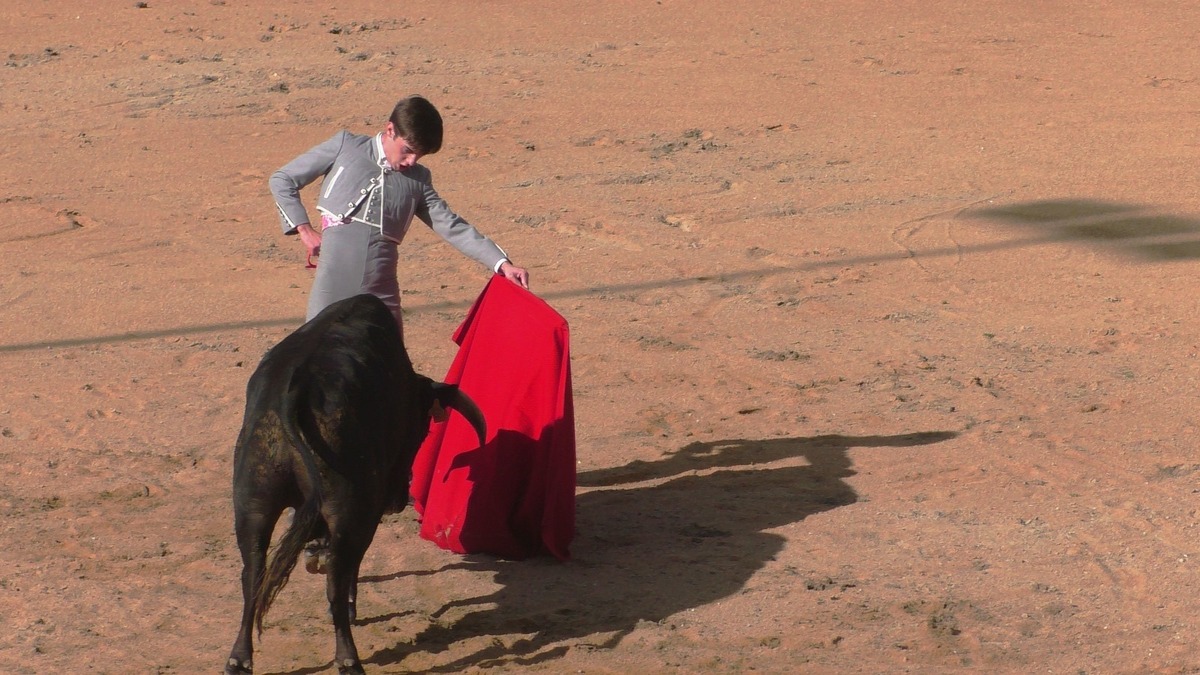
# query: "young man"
{"points": [[371, 190]]}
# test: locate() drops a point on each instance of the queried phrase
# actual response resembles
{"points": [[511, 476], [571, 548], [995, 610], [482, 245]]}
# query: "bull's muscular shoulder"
{"points": [[354, 328], [358, 317], [363, 309]]}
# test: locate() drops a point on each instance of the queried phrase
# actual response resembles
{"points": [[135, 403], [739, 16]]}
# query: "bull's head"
{"points": [[450, 396]]}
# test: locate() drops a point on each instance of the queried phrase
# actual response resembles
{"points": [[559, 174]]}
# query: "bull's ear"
{"points": [[437, 412]]}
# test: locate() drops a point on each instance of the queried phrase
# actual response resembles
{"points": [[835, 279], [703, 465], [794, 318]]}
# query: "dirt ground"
{"points": [[884, 327]]}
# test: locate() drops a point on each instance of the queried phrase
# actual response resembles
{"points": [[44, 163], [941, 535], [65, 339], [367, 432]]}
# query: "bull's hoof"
{"points": [[351, 667], [316, 558], [235, 667]]}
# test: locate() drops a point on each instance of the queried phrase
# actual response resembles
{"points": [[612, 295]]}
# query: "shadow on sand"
{"points": [[656, 539], [1127, 229]]}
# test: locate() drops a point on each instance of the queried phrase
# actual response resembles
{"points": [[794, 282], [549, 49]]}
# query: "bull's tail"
{"points": [[305, 527]]}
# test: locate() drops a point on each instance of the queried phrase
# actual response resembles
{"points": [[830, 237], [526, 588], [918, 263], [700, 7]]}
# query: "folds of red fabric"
{"points": [[515, 496]]}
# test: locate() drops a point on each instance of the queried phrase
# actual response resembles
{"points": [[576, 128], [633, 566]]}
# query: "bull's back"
{"points": [[351, 343], [342, 382]]}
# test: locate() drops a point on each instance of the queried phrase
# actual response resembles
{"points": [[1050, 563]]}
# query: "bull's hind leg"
{"points": [[341, 585], [253, 537]]}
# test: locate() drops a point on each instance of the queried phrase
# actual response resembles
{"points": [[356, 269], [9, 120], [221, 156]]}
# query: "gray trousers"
{"points": [[355, 258]]}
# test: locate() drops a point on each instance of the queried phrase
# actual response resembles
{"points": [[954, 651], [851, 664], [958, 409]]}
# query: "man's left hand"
{"points": [[518, 275]]}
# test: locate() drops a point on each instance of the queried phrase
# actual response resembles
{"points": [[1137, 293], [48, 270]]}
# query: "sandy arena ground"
{"points": [[884, 327]]}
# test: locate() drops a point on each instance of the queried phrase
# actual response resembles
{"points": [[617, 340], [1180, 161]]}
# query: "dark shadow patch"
{"points": [[1052, 210], [1128, 229], [1132, 228], [712, 529]]}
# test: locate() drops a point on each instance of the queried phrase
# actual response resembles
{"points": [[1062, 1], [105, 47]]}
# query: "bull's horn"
{"points": [[450, 396]]}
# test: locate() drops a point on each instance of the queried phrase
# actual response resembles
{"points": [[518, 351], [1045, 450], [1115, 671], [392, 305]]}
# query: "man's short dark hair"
{"points": [[416, 120]]}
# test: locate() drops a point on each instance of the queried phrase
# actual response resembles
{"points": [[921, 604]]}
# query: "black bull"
{"points": [[334, 416]]}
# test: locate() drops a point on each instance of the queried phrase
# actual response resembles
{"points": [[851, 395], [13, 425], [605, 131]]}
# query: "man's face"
{"points": [[399, 153]]}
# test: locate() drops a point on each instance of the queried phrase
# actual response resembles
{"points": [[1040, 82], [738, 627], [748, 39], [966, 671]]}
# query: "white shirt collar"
{"points": [[382, 161]]}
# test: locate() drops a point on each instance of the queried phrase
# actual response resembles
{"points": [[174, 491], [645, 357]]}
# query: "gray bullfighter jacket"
{"points": [[359, 186]]}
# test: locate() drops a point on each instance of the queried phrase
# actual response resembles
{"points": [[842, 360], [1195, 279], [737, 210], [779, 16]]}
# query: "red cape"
{"points": [[515, 496]]}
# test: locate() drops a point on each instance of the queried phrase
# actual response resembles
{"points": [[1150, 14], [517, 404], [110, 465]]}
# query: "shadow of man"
{"points": [[658, 538]]}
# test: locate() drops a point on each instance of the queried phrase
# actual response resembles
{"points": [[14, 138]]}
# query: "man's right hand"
{"points": [[311, 239]]}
